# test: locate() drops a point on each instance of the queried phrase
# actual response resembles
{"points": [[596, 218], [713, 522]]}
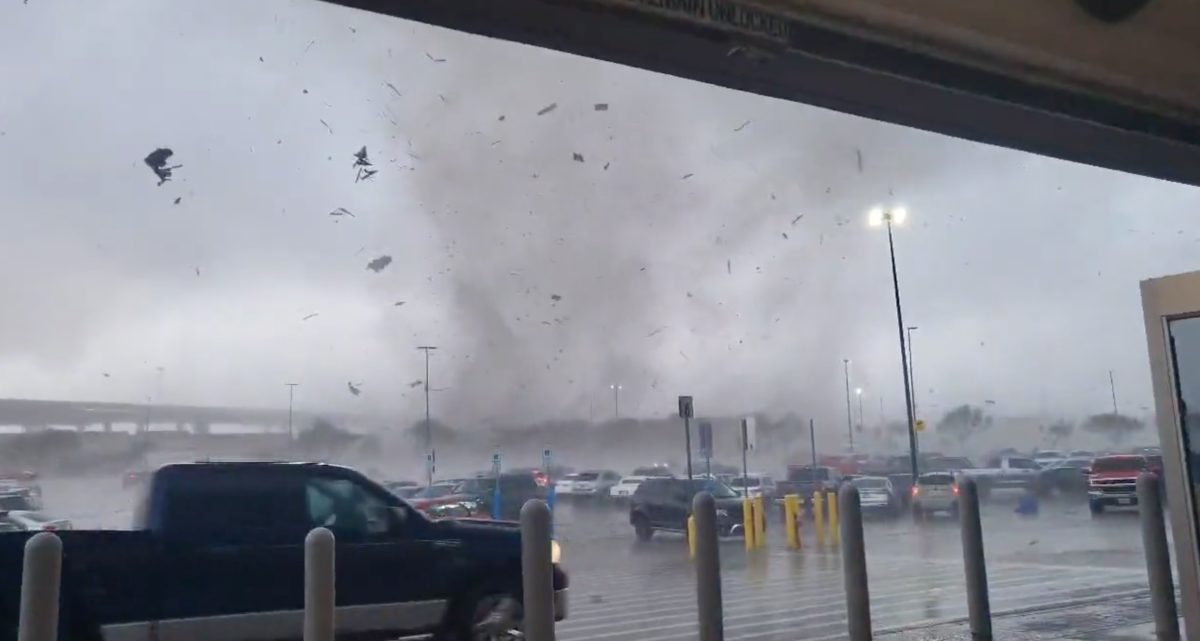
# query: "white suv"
{"points": [[935, 492], [625, 488]]}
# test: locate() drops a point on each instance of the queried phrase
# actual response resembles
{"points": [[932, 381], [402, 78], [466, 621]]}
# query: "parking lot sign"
{"points": [[685, 407], [706, 439]]}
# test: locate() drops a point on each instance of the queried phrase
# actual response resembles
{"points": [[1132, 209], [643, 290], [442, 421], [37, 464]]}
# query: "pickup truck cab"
{"points": [[1112, 482], [1005, 473], [219, 554]]}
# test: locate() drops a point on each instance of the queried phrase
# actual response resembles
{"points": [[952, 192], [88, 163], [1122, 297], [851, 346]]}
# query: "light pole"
{"points": [[858, 391], [877, 217], [849, 420], [616, 390], [291, 395], [1112, 387], [430, 457], [912, 368]]}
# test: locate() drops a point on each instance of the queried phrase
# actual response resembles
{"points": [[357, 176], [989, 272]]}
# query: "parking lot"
{"points": [[1059, 562]]}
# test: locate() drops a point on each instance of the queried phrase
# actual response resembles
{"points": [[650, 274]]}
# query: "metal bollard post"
{"points": [[854, 565], [691, 536], [537, 571], [833, 518], [760, 522], [319, 595], [1158, 559], [748, 523], [41, 578], [791, 524], [819, 516], [979, 606], [708, 569]]}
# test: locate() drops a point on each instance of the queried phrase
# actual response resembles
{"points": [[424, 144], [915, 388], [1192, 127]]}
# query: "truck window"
{"points": [[346, 508], [1023, 464], [235, 508]]}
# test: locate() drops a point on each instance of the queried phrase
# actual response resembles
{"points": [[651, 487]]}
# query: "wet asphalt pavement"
{"points": [[1044, 572]]}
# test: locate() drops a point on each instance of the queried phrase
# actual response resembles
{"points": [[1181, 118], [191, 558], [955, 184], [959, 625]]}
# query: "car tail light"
{"points": [[915, 490], [954, 489]]}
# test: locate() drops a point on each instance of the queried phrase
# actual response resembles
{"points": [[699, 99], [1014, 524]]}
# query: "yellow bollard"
{"points": [[818, 510], [760, 522], [748, 523], [791, 524], [691, 536], [833, 518]]}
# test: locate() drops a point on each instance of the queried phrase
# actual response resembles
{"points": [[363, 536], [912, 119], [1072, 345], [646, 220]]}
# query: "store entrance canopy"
{"points": [[1107, 82]]}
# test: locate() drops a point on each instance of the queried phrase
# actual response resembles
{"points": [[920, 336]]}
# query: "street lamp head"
{"points": [[878, 216], [614, 386], [858, 391]]}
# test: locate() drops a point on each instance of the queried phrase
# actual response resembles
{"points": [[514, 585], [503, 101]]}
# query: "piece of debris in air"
{"points": [[797, 219], [363, 165], [327, 126], [178, 199], [416, 383], [354, 389], [310, 316], [398, 303], [197, 271], [547, 109], [157, 161], [106, 375], [501, 118], [577, 157], [656, 332], [555, 297], [729, 266], [686, 176], [785, 236], [341, 211], [742, 126], [427, 55], [601, 106], [379, 264], [393, 88], [858, 154]]}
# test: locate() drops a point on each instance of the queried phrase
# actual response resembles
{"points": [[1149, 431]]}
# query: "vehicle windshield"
{"points": [[587, 476], [870, 483], [745, 481], [718, 489], [1119, 464], [434, 491]]}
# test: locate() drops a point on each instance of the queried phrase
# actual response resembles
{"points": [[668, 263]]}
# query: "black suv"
{"points": [[666, 503]]}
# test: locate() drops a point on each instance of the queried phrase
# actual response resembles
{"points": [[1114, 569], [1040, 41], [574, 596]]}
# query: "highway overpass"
{"points": [[32, 415]]}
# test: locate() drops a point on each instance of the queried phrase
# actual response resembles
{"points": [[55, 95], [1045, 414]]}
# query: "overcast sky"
{"points": [[656, 258]]}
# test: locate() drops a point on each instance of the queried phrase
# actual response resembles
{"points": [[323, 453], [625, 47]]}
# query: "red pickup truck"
{"points": [[1112, 481]]}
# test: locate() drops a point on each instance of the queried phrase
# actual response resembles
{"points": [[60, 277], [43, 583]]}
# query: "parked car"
{"points": [[935, 492], [753, 485], [806, 479], [478, 496], [877, 496], [665, 504], [951, 464], [1087, 454], [20, 499], [1046, 457], [1112, 481], [29, 521], [589, 483], [625, 488], [1005, 473], [230, 537], [656, 470], [1066, 476]]}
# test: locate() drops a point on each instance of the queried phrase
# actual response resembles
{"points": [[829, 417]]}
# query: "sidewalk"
{"points": [[1126, 619]]}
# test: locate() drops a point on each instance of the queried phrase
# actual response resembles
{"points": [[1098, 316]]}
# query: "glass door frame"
{"points": [[1164, 300]]}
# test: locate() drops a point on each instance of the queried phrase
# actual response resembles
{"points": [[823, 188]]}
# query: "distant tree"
{"points": [[1114, 427], [1059, 430], [324, 439], [963, 422]]}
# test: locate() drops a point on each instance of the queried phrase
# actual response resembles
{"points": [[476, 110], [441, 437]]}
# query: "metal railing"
{"points": [[42, 569]]}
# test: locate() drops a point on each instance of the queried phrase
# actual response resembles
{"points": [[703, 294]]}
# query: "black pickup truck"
{"points": [[218, 554]]}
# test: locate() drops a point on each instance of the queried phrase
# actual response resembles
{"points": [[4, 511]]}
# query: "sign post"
{"points": [[706, 446], [686, 412], [496, 497], [547, 460], [745, 448]]}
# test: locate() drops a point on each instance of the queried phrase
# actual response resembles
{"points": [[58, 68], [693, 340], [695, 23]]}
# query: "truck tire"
{"points": [[467, 619], [642, 527]]}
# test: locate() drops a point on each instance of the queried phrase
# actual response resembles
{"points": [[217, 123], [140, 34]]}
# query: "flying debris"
{"points": [[555, 297], [577, 157], [354, 389], [686, 176], [501, 118], [729, 266], [858, 155], [310, 316], [363, 164], [327, 126], [157, 161], [427, 55], [605, 166], [393, 88], [656, 332], [785, 236], [178, 199], [416, 383], [398, 303], [379, 264], [601, 106], [742, 126], [106, 375], [797, 219], [341, 211], [197, 271], [547, 109]]}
